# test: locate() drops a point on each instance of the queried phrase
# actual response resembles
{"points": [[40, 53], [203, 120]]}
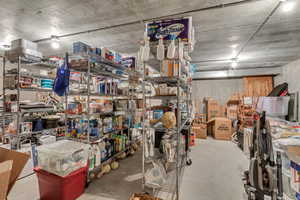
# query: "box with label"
{"points": [[22, 43], [169, 68], [181, 27], [200, 130], [129, 62], [80, 47], [232, 112], [220, 128]]}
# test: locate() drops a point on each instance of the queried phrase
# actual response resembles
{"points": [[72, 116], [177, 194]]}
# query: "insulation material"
{"points": [[258, 86]]}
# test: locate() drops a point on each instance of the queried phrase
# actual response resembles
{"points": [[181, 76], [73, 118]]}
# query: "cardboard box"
{"points": [[169, 68], [234, 99], [222, 112], [220, 128], [5, 171], [18, 162], [212, 109], [232, 112], [199, 118], [200, 130], [197, 104]]}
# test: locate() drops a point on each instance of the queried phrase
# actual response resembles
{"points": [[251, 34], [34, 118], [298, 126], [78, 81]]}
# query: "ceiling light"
{"points": [[234, 46], [234, 52], [55, 42], [234, 64], [5, 47], [288, 6], [55, 45]]}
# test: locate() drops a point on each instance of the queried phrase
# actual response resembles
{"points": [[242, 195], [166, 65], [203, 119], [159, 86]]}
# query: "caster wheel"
{"points": [[87, 184], [189, 162]]}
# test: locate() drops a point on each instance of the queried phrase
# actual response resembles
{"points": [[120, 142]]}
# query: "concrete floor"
{"points": [[215, 174]]}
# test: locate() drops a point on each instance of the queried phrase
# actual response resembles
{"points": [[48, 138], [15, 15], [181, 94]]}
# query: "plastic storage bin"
{"points": [[53, 187], [62, 157]]}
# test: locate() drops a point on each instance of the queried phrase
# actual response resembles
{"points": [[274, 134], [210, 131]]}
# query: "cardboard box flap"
{"points": [[19, 161], [5, 172]]}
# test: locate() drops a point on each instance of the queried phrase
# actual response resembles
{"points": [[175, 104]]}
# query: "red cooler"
{"points": [[53, 187]]}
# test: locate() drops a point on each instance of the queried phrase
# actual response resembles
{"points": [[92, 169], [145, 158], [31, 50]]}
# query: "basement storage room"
{"points": [[149, 100]]}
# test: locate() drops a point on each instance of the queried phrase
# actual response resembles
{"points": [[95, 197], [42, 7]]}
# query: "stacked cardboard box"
{"points": [[233, 106], [220, 128], [200, 130], [212, 108], [199, 126], [247, 110]]}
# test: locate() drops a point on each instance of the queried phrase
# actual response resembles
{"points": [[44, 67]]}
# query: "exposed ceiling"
{"points": [[277, 43]]}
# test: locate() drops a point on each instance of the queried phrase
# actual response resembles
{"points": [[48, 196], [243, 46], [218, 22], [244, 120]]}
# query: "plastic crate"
{"points": [[62, 157], [53, 187]]}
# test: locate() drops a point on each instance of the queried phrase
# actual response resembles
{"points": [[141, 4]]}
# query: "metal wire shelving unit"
{"points": [[171, 188], [20, 63], [96, 66]]}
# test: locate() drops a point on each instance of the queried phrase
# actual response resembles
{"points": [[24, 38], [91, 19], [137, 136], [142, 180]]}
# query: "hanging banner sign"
{"points": [[168, 29]]}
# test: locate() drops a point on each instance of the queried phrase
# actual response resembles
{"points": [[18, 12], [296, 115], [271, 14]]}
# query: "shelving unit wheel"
{"points": [[189, 162]]}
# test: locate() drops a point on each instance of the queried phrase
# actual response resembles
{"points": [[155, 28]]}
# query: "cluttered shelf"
{"points": [[96, 59], [97, 139], [168, 97]]}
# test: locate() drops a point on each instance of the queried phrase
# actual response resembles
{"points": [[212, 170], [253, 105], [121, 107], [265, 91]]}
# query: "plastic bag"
{"points": [[156, 176], [61, 82]]}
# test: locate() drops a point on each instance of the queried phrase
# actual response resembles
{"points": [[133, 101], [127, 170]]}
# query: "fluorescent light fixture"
{"points": [[288, 6], [55, 42]]}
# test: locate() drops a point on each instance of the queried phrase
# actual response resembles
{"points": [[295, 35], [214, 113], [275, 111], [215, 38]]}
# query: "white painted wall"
{"points": [[220, 89], [291, 75]]}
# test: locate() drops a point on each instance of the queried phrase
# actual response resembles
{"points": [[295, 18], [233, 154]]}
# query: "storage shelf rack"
{"points": [[98, 67], [95, 66], [172, 185], [22, 62]]}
